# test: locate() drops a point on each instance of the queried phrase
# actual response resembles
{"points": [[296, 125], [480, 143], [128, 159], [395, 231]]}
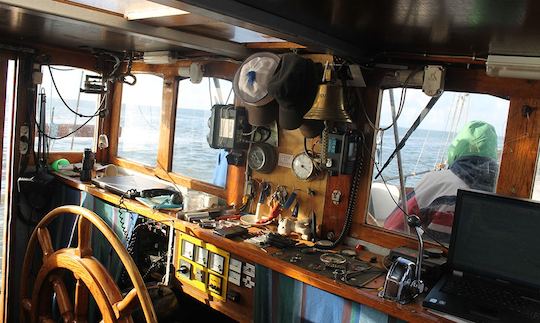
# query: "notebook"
{"points": [[493, 272]]}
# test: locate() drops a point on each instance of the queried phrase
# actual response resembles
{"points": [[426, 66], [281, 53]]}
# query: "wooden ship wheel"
{"points": [[90, 276]]}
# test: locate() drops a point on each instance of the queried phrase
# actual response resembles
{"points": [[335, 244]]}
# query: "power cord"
{"points": [[66, 104]]}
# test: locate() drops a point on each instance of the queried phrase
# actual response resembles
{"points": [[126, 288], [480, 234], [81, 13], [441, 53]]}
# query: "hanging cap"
{"points": [[294, 86], [477, 138], [250, 82], [262, 115]]}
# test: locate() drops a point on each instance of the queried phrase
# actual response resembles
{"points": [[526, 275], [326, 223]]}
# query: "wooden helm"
{"points": [[91, 277]]}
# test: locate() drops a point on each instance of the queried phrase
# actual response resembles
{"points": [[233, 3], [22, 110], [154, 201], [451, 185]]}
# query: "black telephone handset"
{"points": [[176, 196]]}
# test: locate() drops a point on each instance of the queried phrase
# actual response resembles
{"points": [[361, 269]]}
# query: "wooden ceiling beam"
{"points": [[62, 12]]}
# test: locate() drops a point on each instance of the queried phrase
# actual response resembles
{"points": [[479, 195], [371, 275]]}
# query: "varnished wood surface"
{"points": [[518, 162], [412, 313]]}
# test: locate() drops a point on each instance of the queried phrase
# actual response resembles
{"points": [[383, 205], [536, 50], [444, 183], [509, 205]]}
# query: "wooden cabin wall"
{"points": [[291, 142]]}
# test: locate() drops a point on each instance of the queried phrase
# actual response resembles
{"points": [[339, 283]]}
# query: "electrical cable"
{"points": [[351, 205], [401, 103], [77, 129], [64, 101]]}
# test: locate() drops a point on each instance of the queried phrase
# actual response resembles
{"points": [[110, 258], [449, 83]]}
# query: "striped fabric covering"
{"points": [[119, 221], [281, 299]]}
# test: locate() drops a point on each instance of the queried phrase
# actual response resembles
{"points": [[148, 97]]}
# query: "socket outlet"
{"points": [[24, 139]]}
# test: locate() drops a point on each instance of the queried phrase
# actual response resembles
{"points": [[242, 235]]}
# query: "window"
{"points": [[68, 131], [536, 185], [140, 118], [10, 83], [458, 145], [192, 155]]}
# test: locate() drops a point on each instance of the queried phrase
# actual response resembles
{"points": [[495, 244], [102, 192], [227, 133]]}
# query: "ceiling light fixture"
{"points": [[521, 67]]}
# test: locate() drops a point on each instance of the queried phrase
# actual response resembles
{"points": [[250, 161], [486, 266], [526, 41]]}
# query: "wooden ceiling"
{"points": [[358, 29]]}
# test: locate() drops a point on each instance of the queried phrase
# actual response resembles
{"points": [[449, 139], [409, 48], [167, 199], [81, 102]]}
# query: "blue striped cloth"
{"points": [[281, 299]]}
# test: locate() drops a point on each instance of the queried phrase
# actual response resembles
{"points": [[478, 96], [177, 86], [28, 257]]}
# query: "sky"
{"points": [[482, 107]]}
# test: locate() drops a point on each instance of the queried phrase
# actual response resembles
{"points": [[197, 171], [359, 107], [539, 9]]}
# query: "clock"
{"points": [[262, 157], [304, 167]]}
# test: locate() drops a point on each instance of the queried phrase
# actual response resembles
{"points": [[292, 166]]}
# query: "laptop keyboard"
{"points": [[495, 296]]}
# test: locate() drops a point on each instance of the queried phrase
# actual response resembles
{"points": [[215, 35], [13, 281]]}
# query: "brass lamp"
{"points": [[329, 105]]}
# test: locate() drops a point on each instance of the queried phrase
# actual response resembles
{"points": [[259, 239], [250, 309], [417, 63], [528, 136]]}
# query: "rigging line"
{"points": [[415, 125], [447, 127], [210, 92], [229, 96], [421, 151], [395, 202], [153, 127], [401, 103], [459, 111]]}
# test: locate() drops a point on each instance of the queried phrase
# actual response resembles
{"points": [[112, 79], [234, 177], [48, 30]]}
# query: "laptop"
{"points": [[123, 184], [493, 272]]}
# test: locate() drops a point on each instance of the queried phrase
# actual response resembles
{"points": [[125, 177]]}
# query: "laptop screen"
{"points": [[497, 236]]}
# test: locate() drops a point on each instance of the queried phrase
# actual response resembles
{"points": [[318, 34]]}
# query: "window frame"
{"points": [[171, 78], [61, 57], [519, 92], [72, 155]]}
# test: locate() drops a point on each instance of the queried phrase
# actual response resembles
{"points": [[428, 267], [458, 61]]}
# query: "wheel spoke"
{"points": [[81, 301], [44, 238], [84, 247], [124, 307], [62, 298]]}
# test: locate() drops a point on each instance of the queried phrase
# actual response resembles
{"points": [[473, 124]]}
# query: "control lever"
{"points": [[414, 222], [403, 282]]}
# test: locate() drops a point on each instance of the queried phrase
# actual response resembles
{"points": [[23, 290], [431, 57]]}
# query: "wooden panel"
{"points": [[477, 81], [235, 184], [334, 214], [168, 122], [114, 134], [292, 142], [520, 148]]}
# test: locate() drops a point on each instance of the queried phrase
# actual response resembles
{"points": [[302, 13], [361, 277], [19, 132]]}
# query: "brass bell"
{"points": [[329, 105]]}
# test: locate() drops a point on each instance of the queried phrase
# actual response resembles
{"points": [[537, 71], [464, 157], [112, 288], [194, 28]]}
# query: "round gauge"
{"points": [[262, 157], [304, 167]]}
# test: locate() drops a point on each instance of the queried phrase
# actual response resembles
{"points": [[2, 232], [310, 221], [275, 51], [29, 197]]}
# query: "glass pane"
{"points": [[6, 149], [458, 145], [192, 156], [59, 120], [536, 185], [140, 119]]}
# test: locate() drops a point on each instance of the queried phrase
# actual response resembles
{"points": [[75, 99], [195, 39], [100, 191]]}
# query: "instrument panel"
{"points": [[202, 265]]}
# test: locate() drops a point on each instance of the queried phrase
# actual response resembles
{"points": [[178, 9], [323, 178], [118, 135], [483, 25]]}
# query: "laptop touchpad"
{"points": [[485, 312]]}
